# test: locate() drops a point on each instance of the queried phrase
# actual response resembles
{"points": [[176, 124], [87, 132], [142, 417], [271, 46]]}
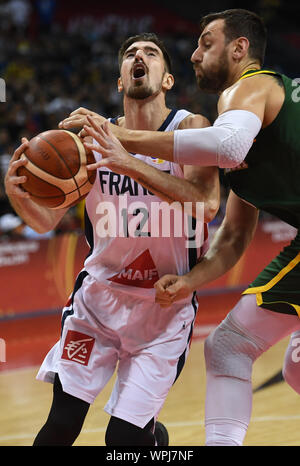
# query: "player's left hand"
{"points": [[114, 156], [78, 118]]}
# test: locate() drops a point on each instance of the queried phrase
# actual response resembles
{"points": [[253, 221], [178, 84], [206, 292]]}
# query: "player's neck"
{"points": [[243, 68], [148, 114]]}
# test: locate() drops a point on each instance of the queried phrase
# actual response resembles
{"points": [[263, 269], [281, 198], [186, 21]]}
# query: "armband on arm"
{"points": [[225, 144]]}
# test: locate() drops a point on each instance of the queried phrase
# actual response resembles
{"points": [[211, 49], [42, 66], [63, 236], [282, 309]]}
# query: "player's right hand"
{"points": [[12, 181], [78, 119], [171, 288]]}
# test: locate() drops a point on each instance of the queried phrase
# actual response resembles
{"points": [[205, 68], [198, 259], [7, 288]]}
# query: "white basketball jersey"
{"points": [[134, 237]]}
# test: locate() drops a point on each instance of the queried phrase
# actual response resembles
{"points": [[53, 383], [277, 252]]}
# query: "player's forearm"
{"points": [[225, 144], [225, 251], [173, 189], [152, 143], [39, 218]]}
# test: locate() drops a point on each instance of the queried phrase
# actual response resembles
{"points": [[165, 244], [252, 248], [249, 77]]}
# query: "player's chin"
{"points": [[140, 91]]}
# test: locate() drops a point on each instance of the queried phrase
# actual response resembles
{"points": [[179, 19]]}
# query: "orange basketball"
{"points": [[56, 169]]}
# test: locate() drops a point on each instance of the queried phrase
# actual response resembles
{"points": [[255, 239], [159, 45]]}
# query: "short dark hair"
{"points": [[145, 37], [239, 22]]}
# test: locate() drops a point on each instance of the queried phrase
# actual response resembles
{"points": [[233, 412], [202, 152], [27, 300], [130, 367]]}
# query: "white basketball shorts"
{"points": [[105, 328]]}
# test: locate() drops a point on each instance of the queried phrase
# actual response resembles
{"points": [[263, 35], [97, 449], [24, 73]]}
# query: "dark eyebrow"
{"points": [[205, 34], [147, 48]]}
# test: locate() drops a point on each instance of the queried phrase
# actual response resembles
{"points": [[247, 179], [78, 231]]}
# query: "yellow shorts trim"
{"points": [[276, 279], [296, 307], [259, 301]]}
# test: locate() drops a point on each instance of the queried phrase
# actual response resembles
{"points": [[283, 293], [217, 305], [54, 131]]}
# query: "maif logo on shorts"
{"points": [[78, 347]]}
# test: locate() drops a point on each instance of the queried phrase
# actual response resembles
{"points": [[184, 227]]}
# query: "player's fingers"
{"points": [[72, 122], [164, 282], [82, 134], [106, 126], [107, 129], [13, 166], [91, 146], [18, 192], [97, 133], [160, 288], [98, 164], [13, 185], [95, 122], [87, 139], [97, 148], [19, 151], [174, 288], [82, 110]]}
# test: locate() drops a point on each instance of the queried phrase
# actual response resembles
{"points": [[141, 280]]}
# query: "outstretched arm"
{"points": [[200, 184], [225, 144], [228, 245]]}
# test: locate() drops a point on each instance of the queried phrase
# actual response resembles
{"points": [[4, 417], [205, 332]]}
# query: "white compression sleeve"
{"points": [[225, 144]]}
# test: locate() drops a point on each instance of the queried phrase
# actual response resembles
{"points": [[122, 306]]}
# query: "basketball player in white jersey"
{"points": [[111, 318]]}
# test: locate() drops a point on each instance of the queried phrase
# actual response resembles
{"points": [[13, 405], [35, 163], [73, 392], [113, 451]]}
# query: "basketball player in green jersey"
{"points": [[256, 139]]}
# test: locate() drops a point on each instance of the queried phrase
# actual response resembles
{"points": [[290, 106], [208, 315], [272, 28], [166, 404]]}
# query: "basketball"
{"points": [[56, 169]]}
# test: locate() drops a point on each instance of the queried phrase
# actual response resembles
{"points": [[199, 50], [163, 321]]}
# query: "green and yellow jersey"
{"points": [[269, 179]]}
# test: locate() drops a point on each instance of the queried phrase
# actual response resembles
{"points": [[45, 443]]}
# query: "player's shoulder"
{"points": [[251, 93], [194, 121], [256, 83]]}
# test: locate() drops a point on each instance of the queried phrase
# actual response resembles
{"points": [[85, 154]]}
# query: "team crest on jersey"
{"points": [[141, 272], [158, 161]]}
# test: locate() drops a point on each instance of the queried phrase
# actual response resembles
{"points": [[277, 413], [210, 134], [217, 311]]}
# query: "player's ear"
{"points": [[240, 48], [120, 85], [168, 81]]}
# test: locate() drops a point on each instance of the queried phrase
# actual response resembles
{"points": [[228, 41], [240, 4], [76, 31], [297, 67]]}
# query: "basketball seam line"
{"points": [[42, 169], [66, 194], [60, 156]]}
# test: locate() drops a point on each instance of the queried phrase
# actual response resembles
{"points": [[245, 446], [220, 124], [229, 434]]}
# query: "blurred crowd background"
{"points": [[58, 55]]}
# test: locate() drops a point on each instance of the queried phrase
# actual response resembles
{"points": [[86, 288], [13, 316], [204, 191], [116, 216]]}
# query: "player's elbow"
{"points": [[43, 230], [211, 208]]}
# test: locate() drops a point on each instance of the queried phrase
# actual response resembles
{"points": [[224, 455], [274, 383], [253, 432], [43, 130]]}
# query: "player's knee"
{"points": [[67, 428], [58, 431], [123, 433], [230, 352]]}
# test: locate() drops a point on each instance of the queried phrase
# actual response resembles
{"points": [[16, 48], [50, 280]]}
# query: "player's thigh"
{"points": [[87, 354], [264, 324], [144, 380]]}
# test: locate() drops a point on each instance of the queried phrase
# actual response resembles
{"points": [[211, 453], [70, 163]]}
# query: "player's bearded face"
{"points": [[213, 78], [143, 88], [142, 71]]}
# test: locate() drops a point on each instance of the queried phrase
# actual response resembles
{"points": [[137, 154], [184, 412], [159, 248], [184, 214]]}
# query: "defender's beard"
{"points": [[215, 80]]}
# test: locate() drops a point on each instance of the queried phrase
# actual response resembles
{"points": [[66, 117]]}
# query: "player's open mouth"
{"points": [[138, 71]]}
